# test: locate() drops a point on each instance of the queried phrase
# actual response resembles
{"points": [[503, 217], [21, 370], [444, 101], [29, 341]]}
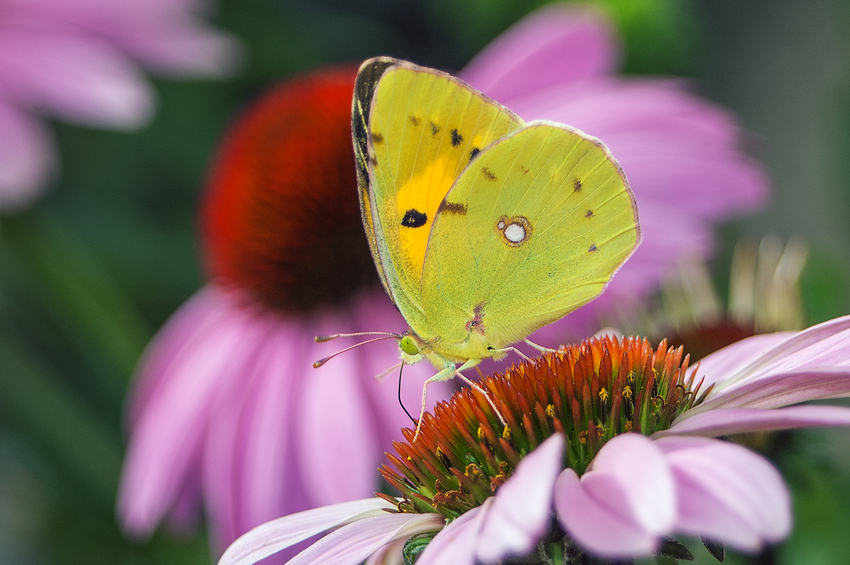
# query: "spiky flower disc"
{"points": [[589, 392]]}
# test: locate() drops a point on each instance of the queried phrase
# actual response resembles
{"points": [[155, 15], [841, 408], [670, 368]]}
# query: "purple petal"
{"points": [[354, 543], [727, 493], [520, 513], [725, 421], [623, 503], [458, 542], [289, 530], [554, 45]]}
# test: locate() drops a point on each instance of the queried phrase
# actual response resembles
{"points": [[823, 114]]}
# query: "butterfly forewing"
{"points": [[548, 219], [415, 130]]}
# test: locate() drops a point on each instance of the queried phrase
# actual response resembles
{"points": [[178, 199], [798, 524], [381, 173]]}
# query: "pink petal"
{"points": [[27, 158], [554, 45], [167, 36], [80, 78], [825, 345], [623, 503], [520, 513], [727, 493], [775, 391], [335, 426], [250, 476], [731, 359], [458, 542], [354, 543], [289, 530], [725, 421], [169, 432], [390, 554], [603, 531]]}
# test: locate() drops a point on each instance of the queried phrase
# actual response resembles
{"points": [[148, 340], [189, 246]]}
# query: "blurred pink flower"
{"points": [[636, 491], [77, 60], [680, 152], [226, 412]]}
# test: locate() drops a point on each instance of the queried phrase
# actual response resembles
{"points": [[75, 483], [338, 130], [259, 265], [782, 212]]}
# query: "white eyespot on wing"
{"points": [[514, 231]]}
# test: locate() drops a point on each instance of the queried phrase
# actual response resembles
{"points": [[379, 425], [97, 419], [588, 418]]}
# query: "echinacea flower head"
{"points": [[608, 452], [79, 60], [226, 412]]}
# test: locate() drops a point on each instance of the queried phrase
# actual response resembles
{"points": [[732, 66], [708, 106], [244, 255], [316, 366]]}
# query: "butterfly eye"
{"points": [[407, 345]]}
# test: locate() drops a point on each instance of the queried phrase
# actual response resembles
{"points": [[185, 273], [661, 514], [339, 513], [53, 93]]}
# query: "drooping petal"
{"points": [[354, 543], [169, 430], [458, 542], [728, 361], [775, 391], [825, 345], [558, 44], [335, 426], [725, 421], [727, 493], [520, 513], [249, 470], [289, 530], [623, 503]]}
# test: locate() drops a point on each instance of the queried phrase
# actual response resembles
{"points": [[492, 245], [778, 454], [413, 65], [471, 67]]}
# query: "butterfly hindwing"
{"points": [[415, 130], [534, 227]]}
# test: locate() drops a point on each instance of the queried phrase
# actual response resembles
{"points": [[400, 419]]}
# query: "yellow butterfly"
{"points": [[483, 228]]}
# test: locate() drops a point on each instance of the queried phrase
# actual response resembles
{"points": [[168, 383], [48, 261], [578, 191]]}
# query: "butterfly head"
{"points": [[411, 349]]}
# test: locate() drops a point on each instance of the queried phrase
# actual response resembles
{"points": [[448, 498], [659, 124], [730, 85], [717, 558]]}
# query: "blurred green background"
{"points": [[90, 272]]}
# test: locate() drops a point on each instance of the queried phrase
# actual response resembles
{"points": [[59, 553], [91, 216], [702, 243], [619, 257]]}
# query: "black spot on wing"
{"points": [[592, 248], [413, 218], [488, 174], [414, 120], [447, 207], [377, 138], [435, 129], [576, 185], [589, 214], [456, 138], [475, 151]]}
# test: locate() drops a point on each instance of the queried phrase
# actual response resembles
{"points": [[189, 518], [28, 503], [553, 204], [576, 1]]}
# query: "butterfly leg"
{"points": [[445, 374], [540, 347], [468, 365]]}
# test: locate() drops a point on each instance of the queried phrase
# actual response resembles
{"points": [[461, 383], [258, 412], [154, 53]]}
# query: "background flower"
{"points": [[681, 153], [78, 60]]}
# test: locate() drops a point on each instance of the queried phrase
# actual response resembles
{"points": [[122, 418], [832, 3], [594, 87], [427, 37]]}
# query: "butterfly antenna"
{"points": [[324, 338], [412, 419], [323, 360]]}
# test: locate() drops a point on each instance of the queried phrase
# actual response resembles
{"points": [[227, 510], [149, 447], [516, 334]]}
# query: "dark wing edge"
{"points": [[364, 89]]}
